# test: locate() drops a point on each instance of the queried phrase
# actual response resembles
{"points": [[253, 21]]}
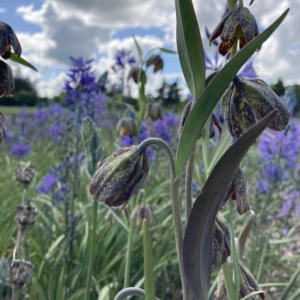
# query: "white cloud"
{"points": [[2, 10], [85, 28]]}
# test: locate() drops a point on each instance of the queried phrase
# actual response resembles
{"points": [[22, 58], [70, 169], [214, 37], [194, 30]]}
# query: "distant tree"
{"points": [[278, 87], [168, 94], [25, 94]]}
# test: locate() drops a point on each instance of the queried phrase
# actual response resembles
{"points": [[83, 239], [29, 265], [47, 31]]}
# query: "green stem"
{"points": [[241, 3], [205, 145], [230, 289], [128, 255], [233, 49], [92, 252], [175, 205], [189, 184], [130, 292], [149, 282], [234, 254], [231, 4]]}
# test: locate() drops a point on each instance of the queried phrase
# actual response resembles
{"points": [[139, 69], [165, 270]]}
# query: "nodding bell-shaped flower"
{"points": [[7, 84], [221, 242], [126, 126], [238, 24], [214, 121], [248, 99], [248, 285], [8, 40], [2, 127], [136, 74], [153, 111], [237, 192], [25, 175], [141, 212], [119, 176], [155, 60]]}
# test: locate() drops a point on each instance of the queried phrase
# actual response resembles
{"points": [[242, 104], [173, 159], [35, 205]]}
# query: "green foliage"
{"points": [[278, 87], [168, 94]]}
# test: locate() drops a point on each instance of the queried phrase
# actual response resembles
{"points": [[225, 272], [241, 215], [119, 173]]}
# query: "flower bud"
{"points": [[119, 176], [2, 127], [248, 285], [141, 212], [157, 61], [184, 116], [25, 215], [239, 23], [153, 111], [136, 74], [25, 175], [7, 84], [221, 242], [214, 123], [8, 40], [237, 192], [91, 138], [126, 126]]}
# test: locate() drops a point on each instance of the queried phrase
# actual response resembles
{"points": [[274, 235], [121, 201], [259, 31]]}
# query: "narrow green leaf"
{"points": [[245, 233], [22, 61], [167, 50], [212, 94], [220, 149], [149, 282], [252, 294], [189, 45], [292, 282], [139, 49], [197, 244]]}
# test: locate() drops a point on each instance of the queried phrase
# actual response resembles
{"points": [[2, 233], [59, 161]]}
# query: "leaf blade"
{"points": [[22, 61], [190, 49], [197, 244], [212, 93]]}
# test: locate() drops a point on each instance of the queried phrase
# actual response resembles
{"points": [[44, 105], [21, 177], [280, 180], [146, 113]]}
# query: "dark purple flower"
{"points": [[273, 172], [20, 150], [171, 120], [49, 183], [127, 141], [291, 198]]}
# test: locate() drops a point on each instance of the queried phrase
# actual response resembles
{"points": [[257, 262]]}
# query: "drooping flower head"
{"points": [[237, 24]]}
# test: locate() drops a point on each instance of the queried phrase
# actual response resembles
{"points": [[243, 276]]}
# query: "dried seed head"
{"points": [[248, 285], [20, 272], [157, 61], [25, 215], [2, 127], [25, 175], [221, 242], [119, 176], [126, 126], [153, 111], [7, 84], [141, 212]]}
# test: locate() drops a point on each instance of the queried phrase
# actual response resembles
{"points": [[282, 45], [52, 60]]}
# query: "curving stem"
{"points": [[130, 292], [175, 204]]}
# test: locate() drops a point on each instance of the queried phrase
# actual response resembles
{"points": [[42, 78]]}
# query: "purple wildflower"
{"points": [[20, 150], [293, 196], [55, 131], [49, 183], [263, 186], [41, 116]]}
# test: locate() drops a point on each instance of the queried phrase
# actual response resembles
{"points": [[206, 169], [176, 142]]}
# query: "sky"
{"points": [[50, 31]]}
